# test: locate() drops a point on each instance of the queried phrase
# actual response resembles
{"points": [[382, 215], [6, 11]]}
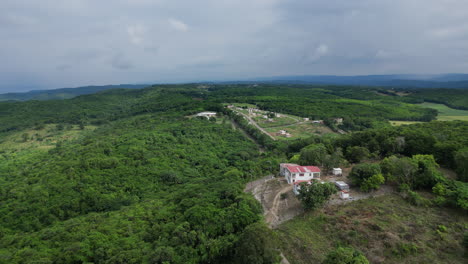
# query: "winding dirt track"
{"points": [[271, 216]]}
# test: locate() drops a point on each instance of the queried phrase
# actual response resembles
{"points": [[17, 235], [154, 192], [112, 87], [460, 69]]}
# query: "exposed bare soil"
{"points": [[278, 201]]}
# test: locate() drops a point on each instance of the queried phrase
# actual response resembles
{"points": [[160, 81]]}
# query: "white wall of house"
{"points": [[306, 176], [297, 176]]}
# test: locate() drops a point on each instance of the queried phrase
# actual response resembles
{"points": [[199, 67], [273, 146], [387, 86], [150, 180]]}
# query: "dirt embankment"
{"points": [[278, 201]]}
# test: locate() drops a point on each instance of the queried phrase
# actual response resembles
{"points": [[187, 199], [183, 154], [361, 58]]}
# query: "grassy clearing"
{"points": [[44, 138], [446, 113], [302, 130], [282, 120], [386, 229], [400, 123], [295, 125]]}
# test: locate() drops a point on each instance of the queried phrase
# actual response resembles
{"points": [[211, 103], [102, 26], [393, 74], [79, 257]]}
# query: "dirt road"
{"points": [[256, 125]]}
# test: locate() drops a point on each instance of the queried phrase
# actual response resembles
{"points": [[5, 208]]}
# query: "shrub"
{"points": [[405, 249], [363, 171], [415, 199], [315, 194], [345, 255], [372, 183]]}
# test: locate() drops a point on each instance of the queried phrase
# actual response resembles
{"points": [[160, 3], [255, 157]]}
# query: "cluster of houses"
{"points": [[296, 174], [283, 133]]}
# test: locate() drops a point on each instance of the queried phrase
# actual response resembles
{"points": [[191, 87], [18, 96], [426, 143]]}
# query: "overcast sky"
{"points": [[69, 43]]}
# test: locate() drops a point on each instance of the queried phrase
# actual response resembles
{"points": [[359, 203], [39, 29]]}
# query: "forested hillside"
{"points": [[131, 176], [151, 188], [64, 93]]}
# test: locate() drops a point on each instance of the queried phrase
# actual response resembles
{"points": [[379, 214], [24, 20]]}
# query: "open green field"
{"points": [[42, 138], [400, 123], [386, 229], [295, 125], [301, 130], [282, 120], [446, 113]]}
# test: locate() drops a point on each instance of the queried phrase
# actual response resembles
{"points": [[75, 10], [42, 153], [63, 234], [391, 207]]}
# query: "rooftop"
{"points": [[296, 168]]}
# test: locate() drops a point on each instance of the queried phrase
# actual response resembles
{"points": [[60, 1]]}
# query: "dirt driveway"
{"points": [[280, 204]]}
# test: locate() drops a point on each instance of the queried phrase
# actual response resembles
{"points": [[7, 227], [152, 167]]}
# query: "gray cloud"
{"points": [[120, 62], [54, 43]]}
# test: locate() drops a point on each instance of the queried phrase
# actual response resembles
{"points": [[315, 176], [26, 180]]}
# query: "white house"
{"points": [[207, 114], [337, 171], [296, 173], [306, 119], [339, 120]]}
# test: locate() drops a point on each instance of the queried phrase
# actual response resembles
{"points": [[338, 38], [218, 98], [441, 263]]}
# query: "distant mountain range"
{"points": [[401, 80], [395, 80], [64, 93]]}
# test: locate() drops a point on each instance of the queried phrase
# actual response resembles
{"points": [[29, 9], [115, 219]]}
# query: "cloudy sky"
{"points": [[69, 43]]}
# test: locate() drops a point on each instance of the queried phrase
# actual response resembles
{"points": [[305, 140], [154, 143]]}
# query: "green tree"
{"points": [[399, 170], [372, 183], [427, 174], [295, 159], [461, 162], [345, 255], [356, 154], [362, 172], [25, 137], [315, 194], [313, 154], [334, 160], [233, 174], [257, 245]]}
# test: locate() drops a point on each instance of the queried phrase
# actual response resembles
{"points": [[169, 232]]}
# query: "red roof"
{"points": [[302, 169]]}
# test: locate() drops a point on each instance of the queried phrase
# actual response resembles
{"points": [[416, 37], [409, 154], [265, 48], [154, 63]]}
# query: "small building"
{"points": [[207, 114], [344, 194], [277, 115], [317, 122], [306, 119], [337, 171], [270, 120], [266, 117], [288, 135], [343, 186], [282, 132], [296, 173], [339, 120]]}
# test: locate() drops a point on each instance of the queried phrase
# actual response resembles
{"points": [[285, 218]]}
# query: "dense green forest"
{"points": [[153, 184], [126, 189]]}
